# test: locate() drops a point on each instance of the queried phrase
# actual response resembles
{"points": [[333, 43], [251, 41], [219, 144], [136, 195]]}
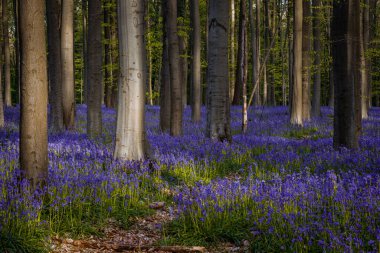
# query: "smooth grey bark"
{"points": [[218, 105], [67, 57], [345, 55], [53, 10], [176, 107], [196, 62], [94, 71], [306, 60], [296, 105], [7, 57], [316, 99], [34, 92], [131, 143]]}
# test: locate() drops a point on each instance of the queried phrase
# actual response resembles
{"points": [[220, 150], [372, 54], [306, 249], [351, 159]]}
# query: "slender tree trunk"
{"points": [[364, 42], [290, 54], [267, 40], [107, 56], [34, 92], [165, 93], [54, 60], [331, 70], [343, 49], [196, 62], [17, 48], [373, 14], [176, 107], [316, 104], [306, 60], [182, 41], [94, 59], [232, 50], [115, 56], [241, 66], [67, 54], [85, 33], [256, 51], [7, 57], [1, 86], [218, 105], [131, 143], [296, 109]]}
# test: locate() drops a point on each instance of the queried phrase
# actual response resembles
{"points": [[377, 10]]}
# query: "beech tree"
{"points": [[34, 92], [94, 71], [1, 89], [67, 57], [296, 104], [54, 60], [346, 53], [306, 60], [196, 62], [131, 143], [316, 99], [7, 57], [218, 102]]}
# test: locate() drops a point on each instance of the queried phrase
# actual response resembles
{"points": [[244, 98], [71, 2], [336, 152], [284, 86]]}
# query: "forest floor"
{"points": [[277, 188]]}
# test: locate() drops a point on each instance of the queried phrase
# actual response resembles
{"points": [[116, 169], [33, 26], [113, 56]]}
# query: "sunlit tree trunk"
{"points": [[196, 61], [364, 42], [296, 105], [218, 105], [94, 72], [131, 143], [176, 106], [67, 56], [7, 57], [232, 49], [316, 100], [34, 92], [54, 60], [306, 60]]}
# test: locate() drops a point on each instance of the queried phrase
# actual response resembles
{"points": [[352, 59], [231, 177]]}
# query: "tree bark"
{"points": [[85, 64], [316, 104], [364, 42], [34, 92], [1, 86], [131, 143], [232, 50], [54, 60], [255, 26], [7, 57], [306, 60], [345, 54], [94, 59], [67, 56], [182, 41], [17, 48], [176, 106], [296, 109], [108, 82], [196, 62], [218, 105]]}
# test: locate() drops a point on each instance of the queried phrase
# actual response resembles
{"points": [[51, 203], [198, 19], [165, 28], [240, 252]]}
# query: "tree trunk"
{"points": [[296, 109], [255, 26], [34, 92], [218, 102], [241, 67], [196, 62], [364, 42], [165, 92], [176, 107], [149, 54], [290, 55], [94, 59], [182, 41], [85, 64], [232, 50], [316, 104], [267, 40], [131, 143], [306, 60], [7, 58], [343, 49], [54, 59], [17, 48], [108, 82], [1, 86], [67, 56]]}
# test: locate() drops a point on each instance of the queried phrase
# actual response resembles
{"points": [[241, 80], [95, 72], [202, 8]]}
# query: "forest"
{"points": [[189, 126]]}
